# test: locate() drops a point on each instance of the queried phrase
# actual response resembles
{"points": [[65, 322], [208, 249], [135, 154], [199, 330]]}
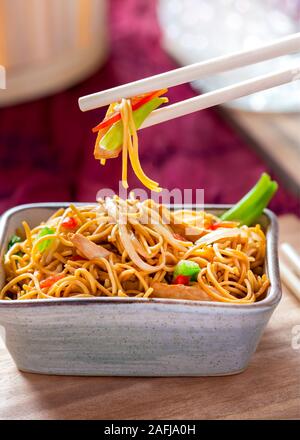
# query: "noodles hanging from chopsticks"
{"points": [[118, 133], [125, 248]]}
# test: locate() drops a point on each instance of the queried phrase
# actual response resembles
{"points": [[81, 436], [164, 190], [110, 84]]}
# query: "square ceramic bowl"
{"points": [[133, 337]]}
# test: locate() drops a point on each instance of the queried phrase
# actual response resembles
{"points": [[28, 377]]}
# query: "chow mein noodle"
{"points": [[118, 133], [133, 248]]}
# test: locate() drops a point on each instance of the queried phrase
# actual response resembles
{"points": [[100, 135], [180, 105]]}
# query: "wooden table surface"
{"points": [[269, 388]]}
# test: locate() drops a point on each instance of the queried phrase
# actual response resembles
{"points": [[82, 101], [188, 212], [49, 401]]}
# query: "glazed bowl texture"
{"points": [[134, 336]]}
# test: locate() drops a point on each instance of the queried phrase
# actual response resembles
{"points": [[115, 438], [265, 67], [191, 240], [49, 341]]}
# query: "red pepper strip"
{"points": [[137, 102], [50, 281], [182, 279], [216, 226], [70, 223], [115, 117]]}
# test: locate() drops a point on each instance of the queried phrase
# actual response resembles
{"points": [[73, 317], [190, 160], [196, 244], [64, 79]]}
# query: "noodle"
{"points": [[125, 249], [130, 147]]}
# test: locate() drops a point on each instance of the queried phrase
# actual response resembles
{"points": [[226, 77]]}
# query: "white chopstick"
{"points": [[221, 96], [284, 46], [290, 279], [292, 257]]}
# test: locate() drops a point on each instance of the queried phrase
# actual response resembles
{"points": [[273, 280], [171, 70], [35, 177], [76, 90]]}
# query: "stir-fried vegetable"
{"points": [[45, 244], [13, 240], [182, 279], [114, 136], [188, 269], [224, 224], [70, 223], [48, 282], [136, 103], [251, 206]]}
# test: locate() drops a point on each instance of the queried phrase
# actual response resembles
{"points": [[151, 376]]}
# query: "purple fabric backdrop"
{"points": [[46, 146]]}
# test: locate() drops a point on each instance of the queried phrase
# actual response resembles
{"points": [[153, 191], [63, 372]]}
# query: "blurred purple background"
{"points": [[46, 146]]}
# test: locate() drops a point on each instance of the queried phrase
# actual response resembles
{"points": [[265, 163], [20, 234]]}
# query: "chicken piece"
{"points": [[178, 291], [190, 233], [88, 249], [187, 230]]}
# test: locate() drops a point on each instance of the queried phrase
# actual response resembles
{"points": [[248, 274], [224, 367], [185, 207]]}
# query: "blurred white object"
{"points": [[292, 256], [49, 45], [196, 30], [290, 279], [290, 270]]}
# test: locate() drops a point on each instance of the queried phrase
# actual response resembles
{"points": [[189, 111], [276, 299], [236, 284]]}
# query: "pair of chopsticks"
{"points": [[284, 46], [290, 268]]}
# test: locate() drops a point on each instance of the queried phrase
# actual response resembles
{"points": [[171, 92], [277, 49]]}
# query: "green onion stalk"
{"points": [[251, 206]]}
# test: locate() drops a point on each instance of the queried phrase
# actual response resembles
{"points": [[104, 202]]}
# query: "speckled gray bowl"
{"points": [[134, 337]]}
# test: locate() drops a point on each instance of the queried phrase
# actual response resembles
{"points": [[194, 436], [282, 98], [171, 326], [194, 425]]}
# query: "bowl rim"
{"points": [[272, 299]]}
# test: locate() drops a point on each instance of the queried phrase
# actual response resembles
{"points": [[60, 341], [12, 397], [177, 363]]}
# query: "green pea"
{"points": [[187, 268]]}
